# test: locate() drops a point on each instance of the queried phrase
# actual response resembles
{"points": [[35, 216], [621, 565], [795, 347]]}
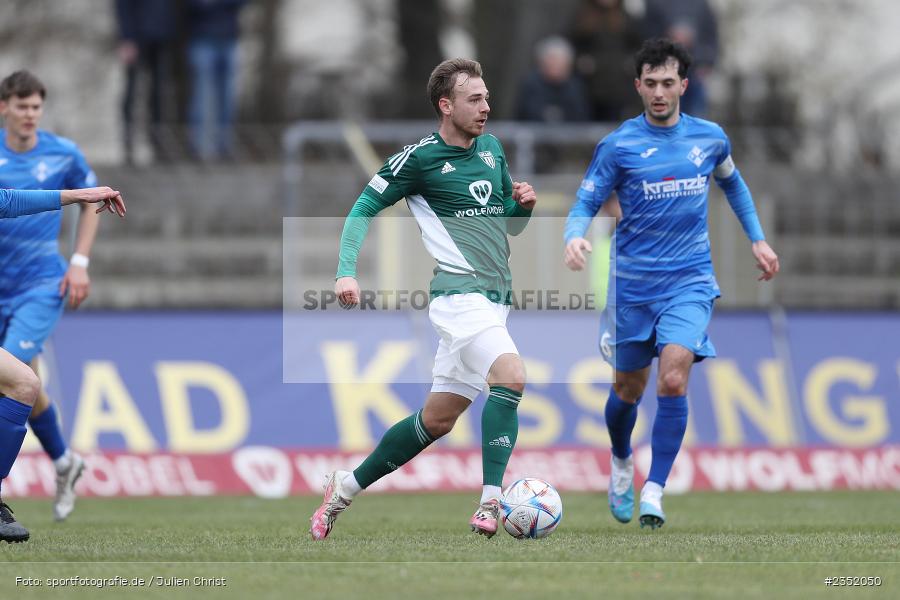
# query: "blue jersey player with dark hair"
{"points": [[19, 385], [660, 165], [34, 278]]}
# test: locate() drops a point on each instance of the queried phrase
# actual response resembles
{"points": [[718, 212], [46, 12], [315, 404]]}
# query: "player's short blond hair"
{"points": [[443, 78]]}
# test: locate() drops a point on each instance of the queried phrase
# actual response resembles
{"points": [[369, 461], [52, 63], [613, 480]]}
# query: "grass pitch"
{"points": [[739, 545]]}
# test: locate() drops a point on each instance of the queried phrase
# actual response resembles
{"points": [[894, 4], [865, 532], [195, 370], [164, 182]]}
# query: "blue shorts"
{"points": [[631, 336], [27, 320]]}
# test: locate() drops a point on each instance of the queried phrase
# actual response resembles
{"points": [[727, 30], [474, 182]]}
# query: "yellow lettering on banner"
{"points": [[870, 410], [356, 393], [175, 379], [549, 420], [102, 383], [732, 395]]}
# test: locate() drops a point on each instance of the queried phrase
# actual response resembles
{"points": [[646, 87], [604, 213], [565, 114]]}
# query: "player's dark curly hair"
{"points": [[444, 76], [655, 52], [21, 84]]}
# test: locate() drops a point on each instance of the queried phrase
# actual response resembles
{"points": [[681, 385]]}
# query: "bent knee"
{"points": [[628, 391], [508, 371], [25, 387], [440, 426], [672, 383]]}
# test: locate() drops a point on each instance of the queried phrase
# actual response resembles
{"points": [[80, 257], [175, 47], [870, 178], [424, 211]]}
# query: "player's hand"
{"points": [[766, 260], [77, 283], [524, 195], [111, 199], [347, 291], [575, 249]]}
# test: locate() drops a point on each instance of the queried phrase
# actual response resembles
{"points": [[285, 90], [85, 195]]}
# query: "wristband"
{"points": [[79, 260]]}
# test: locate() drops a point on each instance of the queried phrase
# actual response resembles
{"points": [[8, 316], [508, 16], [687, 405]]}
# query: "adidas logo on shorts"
{"points": [[503, 440]]}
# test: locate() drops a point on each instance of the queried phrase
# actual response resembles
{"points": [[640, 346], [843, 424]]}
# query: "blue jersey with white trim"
{"points": [[29, 252], [661, 176]]}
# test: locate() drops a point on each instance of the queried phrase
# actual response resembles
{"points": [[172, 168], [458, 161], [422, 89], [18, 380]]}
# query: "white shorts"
{"points": [[473, 335]]}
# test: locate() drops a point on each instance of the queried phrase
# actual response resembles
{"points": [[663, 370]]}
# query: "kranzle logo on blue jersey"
{"points": [[670, 187]]}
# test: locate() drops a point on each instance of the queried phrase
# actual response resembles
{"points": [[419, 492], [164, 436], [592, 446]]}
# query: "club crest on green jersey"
{"points": [[488, 158]]}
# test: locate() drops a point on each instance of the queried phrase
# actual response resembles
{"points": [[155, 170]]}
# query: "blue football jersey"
{"points": [[661, 176], [29, 254]]}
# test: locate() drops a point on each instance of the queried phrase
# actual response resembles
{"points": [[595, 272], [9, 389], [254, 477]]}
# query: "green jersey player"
{"points": [[457, 185]]}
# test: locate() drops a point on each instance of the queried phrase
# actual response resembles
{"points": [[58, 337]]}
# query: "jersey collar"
{"points": [[660, 130], [469, 150]]}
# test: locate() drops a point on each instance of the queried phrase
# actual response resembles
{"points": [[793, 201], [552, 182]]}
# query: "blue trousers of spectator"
{"points": [[211, 112]]}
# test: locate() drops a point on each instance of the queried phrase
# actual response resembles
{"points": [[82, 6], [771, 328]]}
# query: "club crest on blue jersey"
{"points": [[696, 156], [41, 171]]}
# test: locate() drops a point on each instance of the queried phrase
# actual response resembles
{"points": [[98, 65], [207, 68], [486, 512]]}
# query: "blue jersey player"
{"points": [[660, 165], [19, 385], [34, 278]]}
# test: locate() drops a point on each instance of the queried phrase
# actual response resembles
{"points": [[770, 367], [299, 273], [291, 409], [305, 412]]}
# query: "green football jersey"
{"points": [[462, 201]]}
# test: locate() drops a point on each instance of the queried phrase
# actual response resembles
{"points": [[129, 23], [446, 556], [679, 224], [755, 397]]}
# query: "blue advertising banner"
{"points": [[209, 382]]}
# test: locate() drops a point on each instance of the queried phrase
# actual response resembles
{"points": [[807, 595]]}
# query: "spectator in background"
{"points": [[147, 31], [606, 37], [551, 93], [692, 24], [213, 31]]}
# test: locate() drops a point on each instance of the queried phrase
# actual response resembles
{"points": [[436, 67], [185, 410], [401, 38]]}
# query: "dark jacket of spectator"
{"points": [[146, 21], [551, 102], [214, 19]]}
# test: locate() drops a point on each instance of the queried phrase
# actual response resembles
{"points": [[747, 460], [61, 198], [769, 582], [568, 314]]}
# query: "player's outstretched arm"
{"points": [[574, 257], [111, 199], [766, 260], [347, 291]]}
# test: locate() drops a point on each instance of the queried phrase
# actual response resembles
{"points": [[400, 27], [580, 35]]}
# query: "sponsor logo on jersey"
{"points": [[3, 161], [482, 211], [488, 158], [481, 190], [378, 183], [648, 153], [696, 156], [670, 187], [448, 168], [587, 185]]}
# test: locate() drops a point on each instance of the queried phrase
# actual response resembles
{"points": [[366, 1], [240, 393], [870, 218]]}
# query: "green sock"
{"points": [[499, 428], [398, 446]]}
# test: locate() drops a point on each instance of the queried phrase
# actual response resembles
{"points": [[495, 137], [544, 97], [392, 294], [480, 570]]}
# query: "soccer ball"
{"points": [[530, 508]]}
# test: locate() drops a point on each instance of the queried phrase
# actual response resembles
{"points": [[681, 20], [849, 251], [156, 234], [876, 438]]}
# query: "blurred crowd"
{"points": [[156, 36], [181, 65], [587, 72]]}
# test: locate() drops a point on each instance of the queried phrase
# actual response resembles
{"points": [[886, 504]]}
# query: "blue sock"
{"points": [[668, 431], [13, 416], [46, 427], [620, 419]]}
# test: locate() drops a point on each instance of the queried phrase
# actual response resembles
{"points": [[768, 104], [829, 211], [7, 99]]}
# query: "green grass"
{"points": [[740, 545]]}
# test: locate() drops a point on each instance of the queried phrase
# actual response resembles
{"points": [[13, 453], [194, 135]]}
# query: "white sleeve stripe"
{"points": [[725, 169], [401, 158]]}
